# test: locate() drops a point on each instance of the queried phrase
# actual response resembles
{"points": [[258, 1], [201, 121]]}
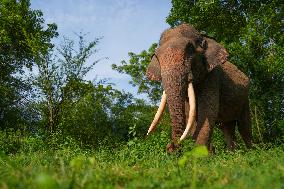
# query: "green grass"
{"points": [[140, 164]]}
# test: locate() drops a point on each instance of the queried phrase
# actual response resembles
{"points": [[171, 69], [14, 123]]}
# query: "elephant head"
{"points": [[183, 58]]}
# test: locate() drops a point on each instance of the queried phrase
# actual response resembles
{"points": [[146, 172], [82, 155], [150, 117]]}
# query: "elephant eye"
{"points": [[190, 49]]}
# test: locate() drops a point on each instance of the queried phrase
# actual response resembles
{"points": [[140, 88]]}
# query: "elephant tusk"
{"points": [[192, 111], [158, 114]]}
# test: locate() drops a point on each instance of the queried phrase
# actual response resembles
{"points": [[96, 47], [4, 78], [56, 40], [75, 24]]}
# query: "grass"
{"points": [[141, 164]]}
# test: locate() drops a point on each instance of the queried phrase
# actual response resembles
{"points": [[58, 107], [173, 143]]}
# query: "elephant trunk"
{"points": [[176, 75], [175, 88], [178, 90], [191, 113]]}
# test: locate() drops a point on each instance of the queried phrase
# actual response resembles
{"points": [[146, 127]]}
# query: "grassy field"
{"points": [[140, 164]]}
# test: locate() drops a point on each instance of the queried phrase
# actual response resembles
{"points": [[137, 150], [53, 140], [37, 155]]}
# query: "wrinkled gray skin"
{"points": [[221, 89]]}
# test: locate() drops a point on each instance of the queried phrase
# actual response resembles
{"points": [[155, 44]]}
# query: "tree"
{"points": [[23, 36], [136, 68], [89, 112], [60, 80]]}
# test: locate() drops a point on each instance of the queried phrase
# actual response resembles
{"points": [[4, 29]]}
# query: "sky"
{"points": [[125, 25]]}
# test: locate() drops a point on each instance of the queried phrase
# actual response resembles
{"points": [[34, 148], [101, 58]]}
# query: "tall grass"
{"points": [[141, 163]]}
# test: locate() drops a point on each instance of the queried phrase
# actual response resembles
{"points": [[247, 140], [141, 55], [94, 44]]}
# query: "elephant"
{"points": [[201, 88]]}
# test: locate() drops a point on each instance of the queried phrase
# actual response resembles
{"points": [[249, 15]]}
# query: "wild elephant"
{"points": [[200, 87]]}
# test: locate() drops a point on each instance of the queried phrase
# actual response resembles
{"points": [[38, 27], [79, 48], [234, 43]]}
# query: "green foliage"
{"points": [[12, 142], [45, 181], [136, 68], [94, 119], [145, 164], [225, 19], [88, 112], [23, 36], [135, 117], [195, 153], [60, 80]]}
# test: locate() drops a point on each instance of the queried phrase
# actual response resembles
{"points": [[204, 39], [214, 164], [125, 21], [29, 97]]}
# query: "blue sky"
{"points": [[125, 25]]}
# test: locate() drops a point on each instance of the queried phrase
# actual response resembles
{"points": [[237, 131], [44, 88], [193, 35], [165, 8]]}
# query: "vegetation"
{"points": [[141, 164], [58, 130], [22, 37]]}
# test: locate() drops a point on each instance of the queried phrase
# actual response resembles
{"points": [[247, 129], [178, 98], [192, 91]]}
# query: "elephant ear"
{"points": [[154, 70], [215, 53]]}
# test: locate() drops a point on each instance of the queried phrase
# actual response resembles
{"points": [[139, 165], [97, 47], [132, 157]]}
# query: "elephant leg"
{"points": [[228, 129], [204, 131], [244, 126], [208, 108]]}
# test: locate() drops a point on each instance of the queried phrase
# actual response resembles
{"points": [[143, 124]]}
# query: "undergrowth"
{"points": [[140, 163]]}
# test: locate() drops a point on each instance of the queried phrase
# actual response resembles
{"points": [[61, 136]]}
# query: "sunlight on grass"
{"points": [[143, 164]]}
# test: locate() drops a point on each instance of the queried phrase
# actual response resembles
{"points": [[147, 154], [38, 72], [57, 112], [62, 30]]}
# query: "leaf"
{"points": [[77, 162], [199, 152], [130, 143], [182, 161], [45, 181]]}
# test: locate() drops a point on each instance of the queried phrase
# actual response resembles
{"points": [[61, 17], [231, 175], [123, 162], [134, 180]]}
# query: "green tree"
{"points": [[136, 68], [97, 117], [60, 80], [71, 106], [23, 36]]}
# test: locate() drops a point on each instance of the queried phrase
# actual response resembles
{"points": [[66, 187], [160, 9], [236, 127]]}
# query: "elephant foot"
{"points": [[172, 147]]}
